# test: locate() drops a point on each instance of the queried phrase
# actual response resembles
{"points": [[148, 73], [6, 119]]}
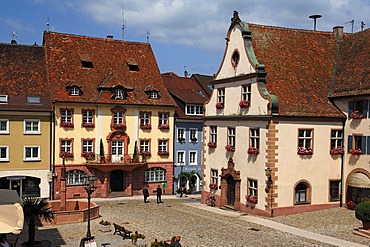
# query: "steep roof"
{"points": [[23, 74], [352, 71], [299, 66], [110, 64], [205, 81], [185, 90]]}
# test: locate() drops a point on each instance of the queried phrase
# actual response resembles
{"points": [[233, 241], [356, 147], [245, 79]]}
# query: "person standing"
{"points": [[145, 193], [164, 185], [159, 194]]}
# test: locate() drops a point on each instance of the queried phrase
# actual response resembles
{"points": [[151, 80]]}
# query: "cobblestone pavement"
{"points": [[198, 227]]}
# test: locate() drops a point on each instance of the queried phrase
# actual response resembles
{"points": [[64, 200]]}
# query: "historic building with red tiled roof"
{"points": [[273, 140], [189, 97]]}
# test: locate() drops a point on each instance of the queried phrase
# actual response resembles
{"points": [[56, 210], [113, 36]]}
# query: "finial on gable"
{"points": [[235, 17]]}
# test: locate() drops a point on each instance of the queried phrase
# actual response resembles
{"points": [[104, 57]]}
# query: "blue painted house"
{"points": [[189, 97]]}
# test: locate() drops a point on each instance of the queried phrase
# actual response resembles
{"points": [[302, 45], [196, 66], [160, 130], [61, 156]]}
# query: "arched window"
{"points": [[302, 193], [155, 175], [75, 177]]}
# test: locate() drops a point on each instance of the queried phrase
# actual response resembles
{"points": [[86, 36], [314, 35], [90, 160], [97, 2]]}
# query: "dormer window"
{"points": [[132, 64], [33, 99], [153, 95], [118, 94], [74, 91], [86, 62], [3, 99]]}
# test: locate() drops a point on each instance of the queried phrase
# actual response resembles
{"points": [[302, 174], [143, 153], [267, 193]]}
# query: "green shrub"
{"points": [[362, 211]]}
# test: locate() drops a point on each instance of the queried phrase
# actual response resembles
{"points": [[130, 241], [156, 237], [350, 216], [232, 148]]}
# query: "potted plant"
{"points": [[135, 236], [338, 150], [157, 243], [146, 126], [244, 104], [355, 151], [67, 124], [362, 212], [88, 125], [351, 205], [357, 115], [163, 126], [119, 126], [253, 151], [213, 187], [104, 226], [304, 151], [230, 148], [212, 144], [220, 105], [35, 208]]}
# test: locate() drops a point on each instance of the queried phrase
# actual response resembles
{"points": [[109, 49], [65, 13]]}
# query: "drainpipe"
{"points": [[52, 147], [341, 171]]}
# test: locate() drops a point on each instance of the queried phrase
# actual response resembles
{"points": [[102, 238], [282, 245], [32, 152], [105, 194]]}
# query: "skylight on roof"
{"points": [[199, 92], [3, 99], [33, 99], [86, 62]]}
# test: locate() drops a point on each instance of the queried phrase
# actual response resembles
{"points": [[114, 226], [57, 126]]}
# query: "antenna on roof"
{"points": [[351, 21], [362, 25], [47, 24], [147, 36], [314, 17], [123, 24], [186, 74]]}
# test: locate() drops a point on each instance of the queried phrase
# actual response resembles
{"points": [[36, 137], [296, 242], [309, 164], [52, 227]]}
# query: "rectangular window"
{"points": [[358, 109], [88, 146], [4, 126], [163, 146], [163, 118], [144, 146], [336, 139], [118, 117], [31, 126], [231, 136], [214, 177], [33, 99], [193, 135], [153, 95], [193, 157], [180, 158], [334, 190], [180, 134], [66, 148], [194, 110], [252, 187], [4, 153], [32, 153], [144, 119], [255, 138], [3, 99], [221, 95], [88, 118], [246, 93], [66, 118], [213, 134]]}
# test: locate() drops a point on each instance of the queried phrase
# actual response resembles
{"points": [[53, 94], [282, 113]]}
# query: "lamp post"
{"points": [[90, 186], [268, 174]]}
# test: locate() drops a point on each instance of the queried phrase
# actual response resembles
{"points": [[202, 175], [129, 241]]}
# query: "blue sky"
{"points": [[187, 33]]}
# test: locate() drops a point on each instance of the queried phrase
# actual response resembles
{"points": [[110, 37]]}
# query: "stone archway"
{"points": [[230, 186]]}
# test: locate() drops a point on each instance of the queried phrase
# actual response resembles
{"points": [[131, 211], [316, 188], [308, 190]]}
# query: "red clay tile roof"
{"points": [[352, 72], [110, 61], [299, 66], [23, 74], [185, 90], [205, 82]]}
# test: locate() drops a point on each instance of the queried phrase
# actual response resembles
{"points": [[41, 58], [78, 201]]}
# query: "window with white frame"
{"points": [[3, 99], [214, 177], [144, 119], [31, 153], [33, 99], [252, 187], [192, 157], [153, 95], [155, 174], [305, 138], [118, 94], [66, 146], [144, 146], [213, 134], [31, 126], [87, 146], [255, 138], [88, 117], [336, 140], [194, 110], [301, 193], [4, 153], [74, 91], [66, 116], [180, 134], [231, 136], [246, 93], [75, 177], [221, 95], [180, 158], [163, 146], [4, 126], [193, 135], [118, 117], [163, 118]]}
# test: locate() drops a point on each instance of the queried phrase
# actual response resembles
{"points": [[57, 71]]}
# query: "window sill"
{"points": [[301, 203], [32, 133], [31, 160]]}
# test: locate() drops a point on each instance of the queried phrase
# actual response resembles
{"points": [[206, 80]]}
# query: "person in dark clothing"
{"points": [[145, 193], [159, 194]]}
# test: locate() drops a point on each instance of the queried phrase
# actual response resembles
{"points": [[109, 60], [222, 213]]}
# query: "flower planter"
{"points": [[104, 228], [366, 225]]}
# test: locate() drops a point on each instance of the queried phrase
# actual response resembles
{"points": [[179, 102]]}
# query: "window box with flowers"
{"points": [[145, 153], [251, 200], [66, 154], [67, 124], [355, 151], [253, 151], [88, 125], [230, 148], [304, 151], [220, 105], [88, 155], [213, 187], [244, 104], [164, 127], [338, 150], [357, 115], [119, 126], [146, 127], [163, 153], [212, 145], [104, 226]]}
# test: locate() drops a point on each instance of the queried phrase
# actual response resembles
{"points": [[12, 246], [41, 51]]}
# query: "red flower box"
{"points": [[66, 154], [88, 155], [220, 105], [146, 127], [252, 199], [212, 145], [67, 124], [163, 126], [88, 125], [213, 186], [230, 148], [244, 104], [119, 126], [355, 151], [252, 150], [357, 115], [304, 151], [145, 153], [335, 151], [163, 153]]}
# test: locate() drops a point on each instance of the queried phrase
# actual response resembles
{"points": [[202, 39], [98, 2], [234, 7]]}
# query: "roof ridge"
{"points": [[290, 29]]}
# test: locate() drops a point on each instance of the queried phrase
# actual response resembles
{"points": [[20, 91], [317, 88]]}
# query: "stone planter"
{"points": [[104, 228]]}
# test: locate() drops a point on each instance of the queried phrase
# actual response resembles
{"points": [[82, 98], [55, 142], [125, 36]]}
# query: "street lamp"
{"points": [[268, 174], [90, 186]]}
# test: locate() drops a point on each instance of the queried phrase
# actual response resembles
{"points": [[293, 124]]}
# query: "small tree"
{"points": [[362, 211], [35, 208]]}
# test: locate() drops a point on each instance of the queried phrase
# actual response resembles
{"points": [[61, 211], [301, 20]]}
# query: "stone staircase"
{"points": [[362, 232]]}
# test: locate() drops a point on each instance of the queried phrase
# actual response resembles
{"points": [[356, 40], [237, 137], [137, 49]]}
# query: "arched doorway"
{"points": [[116, 181], [230, 194], [193, 183], [230, 186]]}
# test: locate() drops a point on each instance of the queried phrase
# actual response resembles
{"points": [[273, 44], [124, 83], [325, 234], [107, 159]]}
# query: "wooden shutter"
{"points": [[349, 145], [350, 108], [366, 108], [363, 144]]}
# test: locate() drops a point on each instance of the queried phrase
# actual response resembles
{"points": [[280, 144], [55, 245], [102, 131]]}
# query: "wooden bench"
{"points": [[120, 230]]}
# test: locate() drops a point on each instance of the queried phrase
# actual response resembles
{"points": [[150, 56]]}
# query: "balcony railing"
{"points": [[112, 159]]}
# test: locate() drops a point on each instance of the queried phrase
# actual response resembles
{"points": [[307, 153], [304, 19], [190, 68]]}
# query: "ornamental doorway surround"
{"points": [[230, 186]]}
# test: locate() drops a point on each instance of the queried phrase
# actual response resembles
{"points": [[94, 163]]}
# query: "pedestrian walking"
{"points": [[164, 185], [145, 193], [159, 194]]}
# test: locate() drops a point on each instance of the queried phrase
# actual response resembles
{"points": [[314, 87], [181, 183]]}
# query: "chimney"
{"points": [[109, 36], [338, 32], [13, 42]]}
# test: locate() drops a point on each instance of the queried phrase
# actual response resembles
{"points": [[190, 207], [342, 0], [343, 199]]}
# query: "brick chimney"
{"points": [[109, 36], [338, 32]]}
